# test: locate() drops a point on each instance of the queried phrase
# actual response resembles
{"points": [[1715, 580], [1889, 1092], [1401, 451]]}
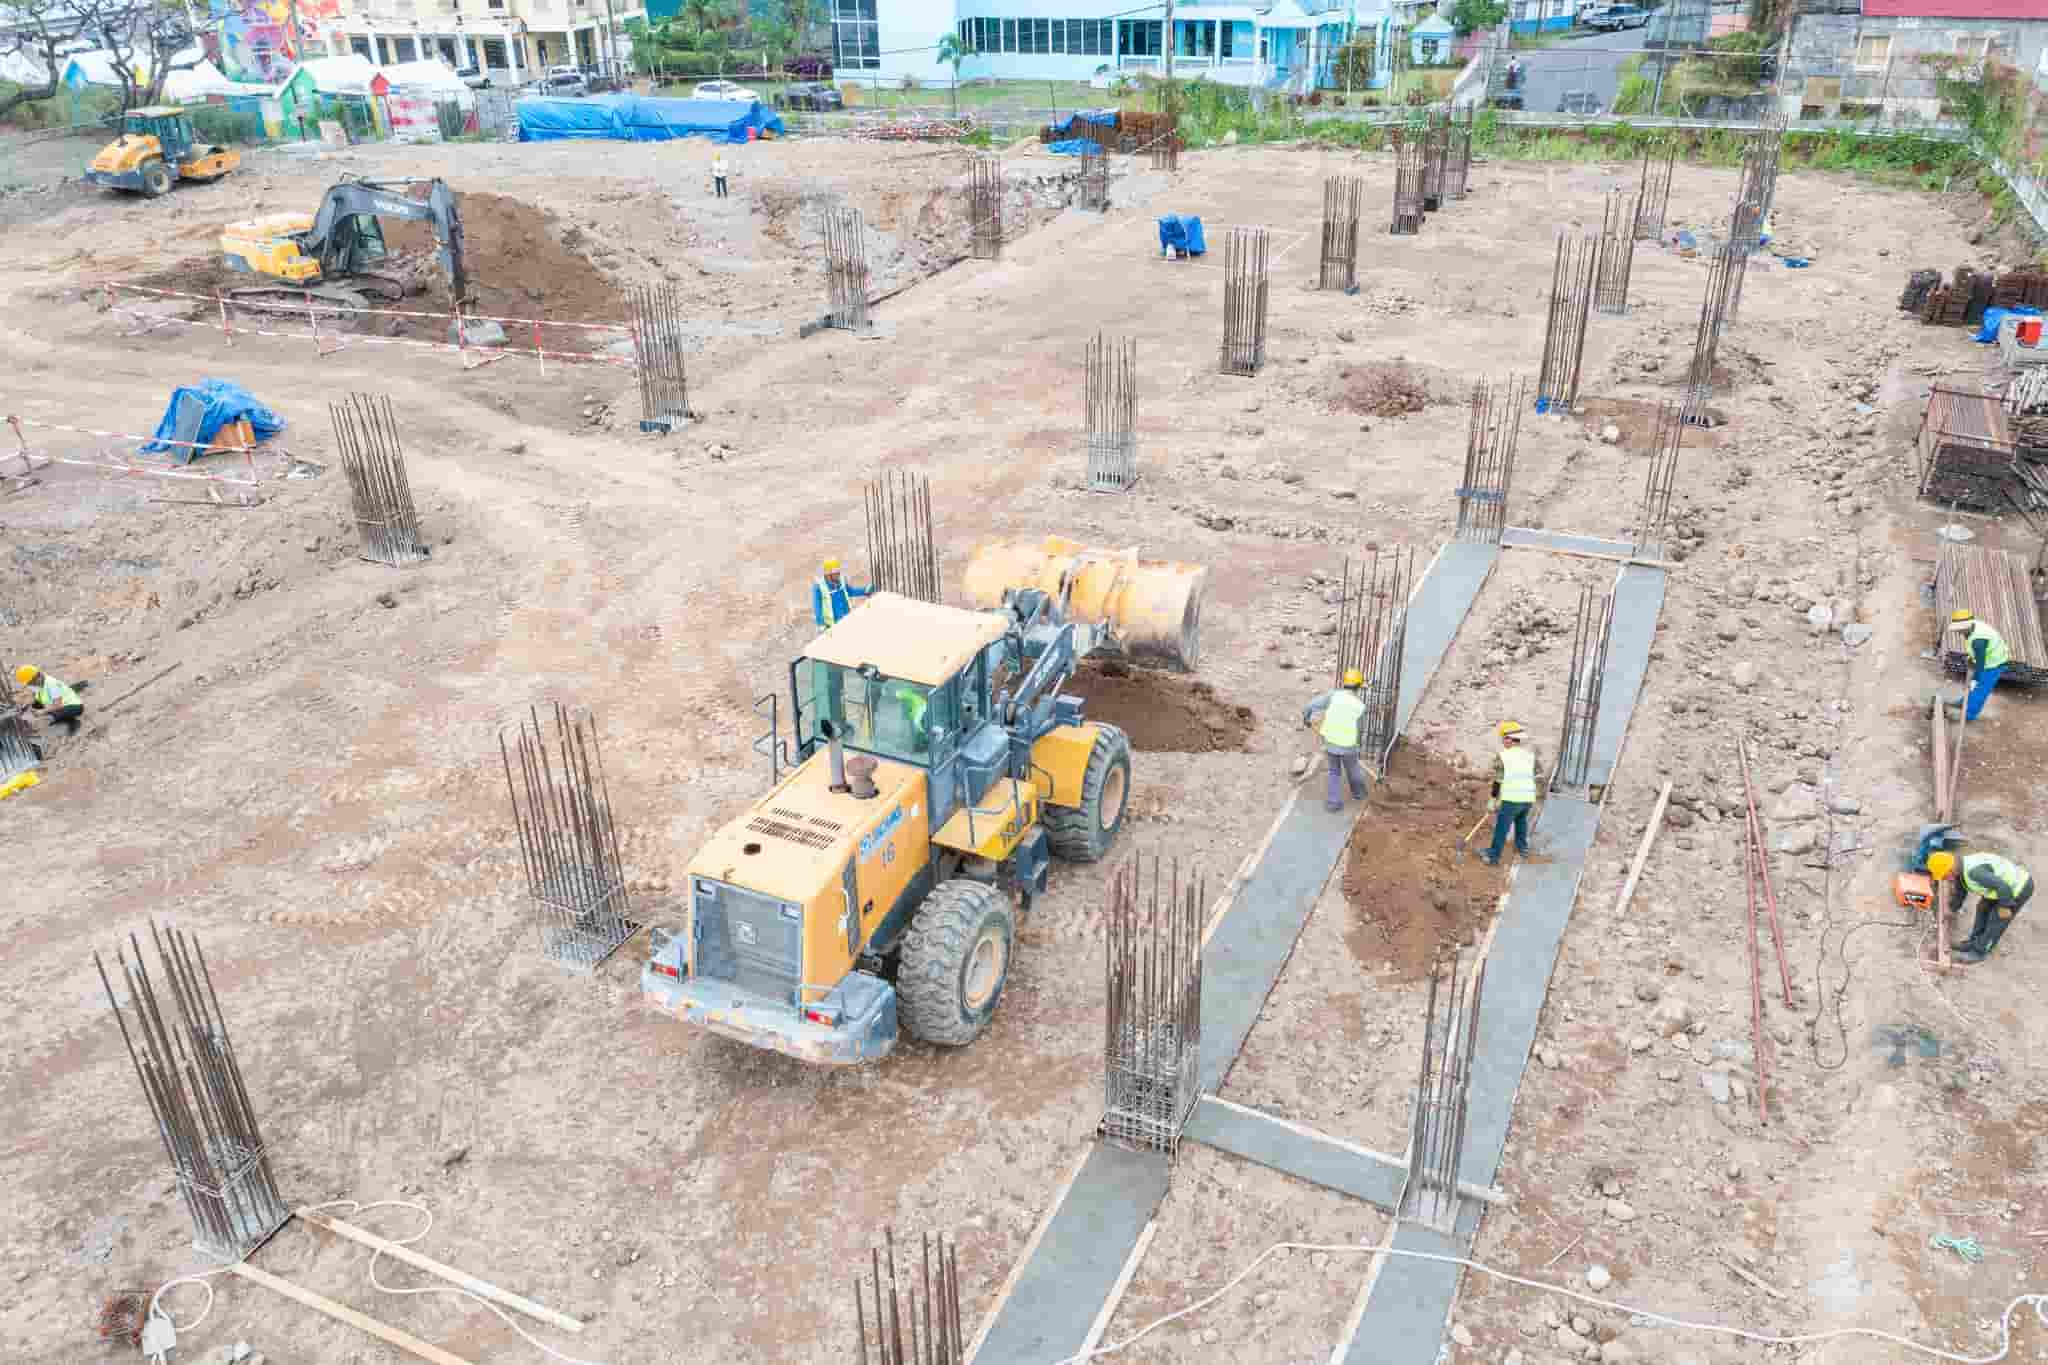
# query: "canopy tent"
{"points": [[203, 80], [431, 76], [349, 74], [97, 67], [639, 118]]}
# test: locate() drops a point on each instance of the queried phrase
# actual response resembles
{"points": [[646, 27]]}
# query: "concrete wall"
{"points": [[1822, 70]]}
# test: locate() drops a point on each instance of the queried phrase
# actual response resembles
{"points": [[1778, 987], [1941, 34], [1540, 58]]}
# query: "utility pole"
{"points": [[1169, 102]]}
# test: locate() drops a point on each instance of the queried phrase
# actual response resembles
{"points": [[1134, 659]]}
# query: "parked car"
{"points": [[1581, 102], [564, 80], [1615, 17], [723, 90], [808, 68], [473, 78], [815, 95]]}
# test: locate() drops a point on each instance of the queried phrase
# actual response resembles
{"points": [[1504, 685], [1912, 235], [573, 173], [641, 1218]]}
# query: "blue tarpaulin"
{"points": [[1994, 316], [642, 118], [196, 413], [1182, 233], [1075, 146], [1085, 122]]}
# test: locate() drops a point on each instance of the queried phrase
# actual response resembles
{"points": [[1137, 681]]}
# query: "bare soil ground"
{"points": [[1162, 712], [317, 791]]}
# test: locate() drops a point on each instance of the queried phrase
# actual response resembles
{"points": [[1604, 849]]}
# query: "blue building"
{"points": [[1538, 16], [1274, 43]]}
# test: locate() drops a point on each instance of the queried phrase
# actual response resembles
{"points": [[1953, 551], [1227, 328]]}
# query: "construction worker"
{"points": [[832, 597], [1341, 710], [1988, 658], [1514, 790], [46, 693], [719, 171], [1998, 887]]}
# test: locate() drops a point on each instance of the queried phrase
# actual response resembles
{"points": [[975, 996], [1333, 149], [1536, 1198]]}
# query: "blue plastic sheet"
{"points": [[1083, 122], [1994, 316], [225, 402], [1075, 146], [1182, 233], [642, 118]]}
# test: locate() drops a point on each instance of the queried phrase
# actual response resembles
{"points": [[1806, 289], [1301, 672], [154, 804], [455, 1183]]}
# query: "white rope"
{"points": [[2038, 1302]]}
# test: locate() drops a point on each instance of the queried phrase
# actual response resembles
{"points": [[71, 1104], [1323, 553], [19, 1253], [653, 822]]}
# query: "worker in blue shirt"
{"points": [[832, 597]]}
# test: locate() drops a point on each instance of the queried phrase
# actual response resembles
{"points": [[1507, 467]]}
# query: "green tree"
{"points": [[1467, 16], [953, 50]]}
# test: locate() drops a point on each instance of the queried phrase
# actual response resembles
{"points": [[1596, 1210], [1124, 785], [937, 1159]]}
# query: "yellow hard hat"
{"points": [[1961, 616], [26, 674], [831, 566], [1941, 866], [1508, 729], [1353, 678]]}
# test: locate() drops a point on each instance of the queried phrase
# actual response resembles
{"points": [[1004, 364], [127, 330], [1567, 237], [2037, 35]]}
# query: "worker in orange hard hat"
{"points": [[1341, 710], [1514, 790], [832, 597]]}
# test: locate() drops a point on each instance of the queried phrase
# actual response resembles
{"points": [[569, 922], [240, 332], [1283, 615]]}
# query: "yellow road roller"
{"points": [[155, 150], [936, 773]]}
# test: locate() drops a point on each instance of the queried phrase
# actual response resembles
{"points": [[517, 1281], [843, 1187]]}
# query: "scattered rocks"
{"points": [[1299, 766], [1610, 434], [1820, 618], [1799, 803], [1616, 1352], [1743, 675], [386, 600], [1461, 1334], [1621, 1211], [1794, 841], [1715, 1083], [1672, 1016], [1570, 1342], [1844, 805], [1649, 992], [1598, 1278], [1854, 635]]}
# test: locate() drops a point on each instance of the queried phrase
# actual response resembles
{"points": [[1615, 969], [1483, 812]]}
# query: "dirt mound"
{"points": [[1411, 900], [1162, 712], [1393, 388], [519, 266]]}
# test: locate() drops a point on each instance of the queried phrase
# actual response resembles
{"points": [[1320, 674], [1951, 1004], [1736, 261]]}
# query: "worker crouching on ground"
{"points": [[1988, 658], [1514, 791], [832, 597], [46, 693], [1999, 887], [1341, 710]]}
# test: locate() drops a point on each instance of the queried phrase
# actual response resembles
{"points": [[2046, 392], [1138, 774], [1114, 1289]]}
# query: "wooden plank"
{"points": [[1628, 888], [341, 1312], [483, 1289]]}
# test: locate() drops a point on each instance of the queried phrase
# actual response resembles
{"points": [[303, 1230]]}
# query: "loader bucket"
{"points": [[1153, 607]]}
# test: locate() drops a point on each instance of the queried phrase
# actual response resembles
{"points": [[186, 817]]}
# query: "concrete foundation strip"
{"points": [[1116, 1294], [1009, 1284], [1302, 1152]]}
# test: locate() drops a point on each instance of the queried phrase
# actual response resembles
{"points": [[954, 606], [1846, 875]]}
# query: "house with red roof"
{"points": [[1882, 59]]}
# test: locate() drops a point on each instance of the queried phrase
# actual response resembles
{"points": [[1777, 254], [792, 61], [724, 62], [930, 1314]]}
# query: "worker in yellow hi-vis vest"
{"points": [[1341, 711], [1514, 790]]}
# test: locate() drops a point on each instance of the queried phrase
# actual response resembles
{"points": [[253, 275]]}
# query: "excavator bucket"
{"points": [[1152, 607]]}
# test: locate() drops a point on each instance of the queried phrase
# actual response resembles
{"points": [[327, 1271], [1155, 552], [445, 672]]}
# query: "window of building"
{"points": [[1972, 47], [856, 40], [1525, 9], [1138, 37], [1873, 51], [1059, 35], [494, 53], [361, 47]]}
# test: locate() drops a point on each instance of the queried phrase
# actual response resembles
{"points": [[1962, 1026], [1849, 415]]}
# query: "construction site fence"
{"points": [[24, 458], [326, 325]]}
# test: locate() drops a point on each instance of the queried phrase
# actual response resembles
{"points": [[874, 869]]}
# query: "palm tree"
{"points": [[953, 50]]}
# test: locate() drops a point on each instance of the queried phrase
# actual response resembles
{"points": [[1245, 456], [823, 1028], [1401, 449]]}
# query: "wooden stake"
{"points": [[1628, 888], [341, 1312], [483, 1289]]}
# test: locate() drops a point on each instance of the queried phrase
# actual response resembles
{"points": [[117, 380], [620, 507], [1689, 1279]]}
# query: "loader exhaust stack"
{"points": [[1152, 608]]}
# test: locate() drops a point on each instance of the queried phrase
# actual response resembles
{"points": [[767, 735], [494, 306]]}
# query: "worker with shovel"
{"points": [[1340, 710], [1514, 791], [1998, 887], [1988, 658]]}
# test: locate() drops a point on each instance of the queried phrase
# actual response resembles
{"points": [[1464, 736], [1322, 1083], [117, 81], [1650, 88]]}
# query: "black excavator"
{"points": [[332, 258]]}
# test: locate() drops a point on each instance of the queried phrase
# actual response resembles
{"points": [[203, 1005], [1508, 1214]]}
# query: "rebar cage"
{"points": [[1407, 184], [1342, 197], [1590, 634], [657, 321], [1564, 334], [1112, 398], [1372, 637], [372, 458], [1653, 521], [846, 270], [912, 1328], [1653, 194], [17, 745], [193, 1082], [1617, 254], [1152, 1037], [903, 557], [1244, 301], [985, 207], [1458, 159], [1436, 1141], [1436, 150], [1490, 439], [1166, 149], [568, 840], [1723, 270], [1095, 179]]}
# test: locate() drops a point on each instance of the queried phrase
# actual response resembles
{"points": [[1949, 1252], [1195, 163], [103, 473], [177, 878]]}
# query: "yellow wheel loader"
{"points": [[156, 149], [937, 772]]}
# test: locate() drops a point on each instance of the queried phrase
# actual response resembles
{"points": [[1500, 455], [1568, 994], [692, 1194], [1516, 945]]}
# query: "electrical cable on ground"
{"points": [[355, 1206], [2037, 1301], [1823, 998]]}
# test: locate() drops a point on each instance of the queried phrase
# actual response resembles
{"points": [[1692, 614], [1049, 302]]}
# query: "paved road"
{"points": [[1592, 63]]}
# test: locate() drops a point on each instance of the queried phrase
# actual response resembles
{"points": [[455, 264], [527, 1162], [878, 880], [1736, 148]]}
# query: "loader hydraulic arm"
{"points": [[388, 199]]}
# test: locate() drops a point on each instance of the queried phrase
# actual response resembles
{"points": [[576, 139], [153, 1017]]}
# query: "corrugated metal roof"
{"points": [[1955, 9]]}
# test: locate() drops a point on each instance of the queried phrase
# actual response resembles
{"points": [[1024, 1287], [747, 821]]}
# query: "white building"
{"points": [[513, 41]]}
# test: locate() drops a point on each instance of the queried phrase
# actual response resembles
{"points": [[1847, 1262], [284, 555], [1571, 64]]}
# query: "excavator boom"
{"points": [[342, 244]]}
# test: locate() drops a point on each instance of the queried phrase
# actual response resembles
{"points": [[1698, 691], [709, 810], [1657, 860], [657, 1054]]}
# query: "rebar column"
{"points": [[1342, 197], [1112, 398], [1436, 150], [1372, 637], [1653, 192], [1244, 301], [903, 557], [1653, 521], [846, 270], [910, 1328], [1166, 148], [1095, 179], [1490, 440], [1458, 160], [193, 1082], [1436, 1140], [366, 433], [1407, 184], [1590, 634], [568, 840], [1564, 335], [1724, 268], [17, 746], [985, 207], [1617, 254], [657, 321], [1152, 1032]]}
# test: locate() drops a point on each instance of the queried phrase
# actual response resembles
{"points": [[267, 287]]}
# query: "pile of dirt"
{"points": [[1412, 901], [1162, 712], [518, 265], [1393, 388]]}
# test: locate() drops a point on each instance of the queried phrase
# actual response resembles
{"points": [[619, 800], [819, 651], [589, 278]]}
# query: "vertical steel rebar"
{"points": [[1436, 1140], [1095, 179], [1653, 521], [372, 458], [985, 207], [1408, 212], [1372, 636], [1111, 393], [1617, 254], [903, 556], [656, 313], [1653, 199], [568, 838], [846, 269], [1436, 150], [1152, 1020], [1166, 147], [1590, 635], [1244, 301], [920, 1323], [1343, 196], [1490, 441], [1724, 269], [1458, 161], [1564, 336]]}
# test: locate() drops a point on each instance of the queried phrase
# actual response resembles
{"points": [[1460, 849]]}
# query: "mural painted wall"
{"points": [[259, 41]]}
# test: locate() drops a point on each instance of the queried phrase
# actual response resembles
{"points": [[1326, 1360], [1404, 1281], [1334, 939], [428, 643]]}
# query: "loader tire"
{"points": [[954, 963], [1084, 833], [156, 178]]}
